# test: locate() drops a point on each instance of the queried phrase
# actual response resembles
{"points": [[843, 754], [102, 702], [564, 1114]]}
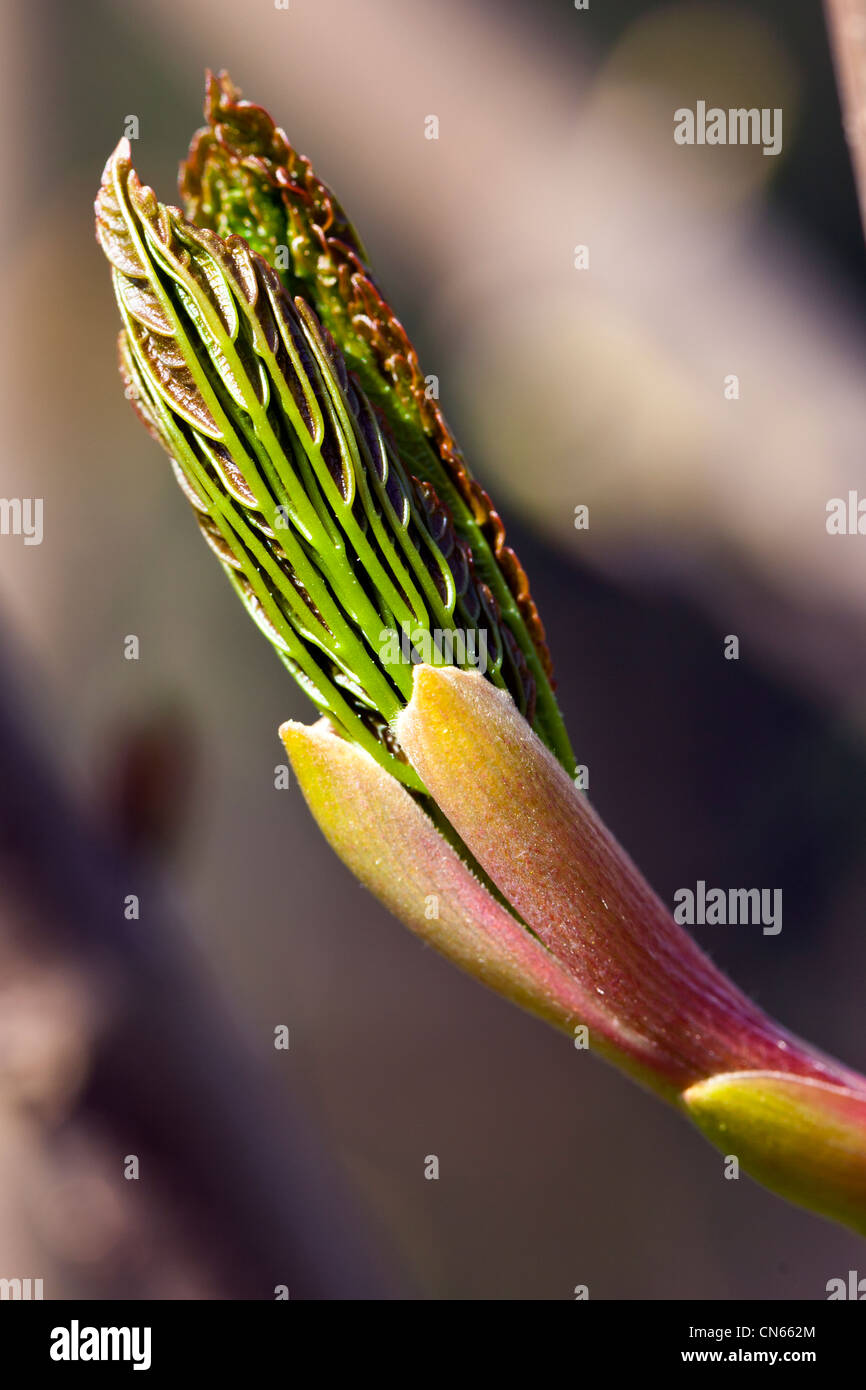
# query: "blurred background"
{"points": [[152, 1037]]}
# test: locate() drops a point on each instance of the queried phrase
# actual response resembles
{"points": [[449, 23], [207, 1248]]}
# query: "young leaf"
{"points": [[242, 176], [349, 564]]}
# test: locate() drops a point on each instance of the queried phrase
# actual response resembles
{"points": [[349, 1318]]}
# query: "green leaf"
{"points": [[242, 176], [296, 485]]}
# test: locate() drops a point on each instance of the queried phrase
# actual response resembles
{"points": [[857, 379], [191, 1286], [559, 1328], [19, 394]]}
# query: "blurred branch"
{"points": [[171, 1080], [846, 20]]}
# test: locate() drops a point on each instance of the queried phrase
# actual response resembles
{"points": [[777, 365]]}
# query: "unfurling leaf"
{"points": [[258, 350], [243, 176], [349, 564]]}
